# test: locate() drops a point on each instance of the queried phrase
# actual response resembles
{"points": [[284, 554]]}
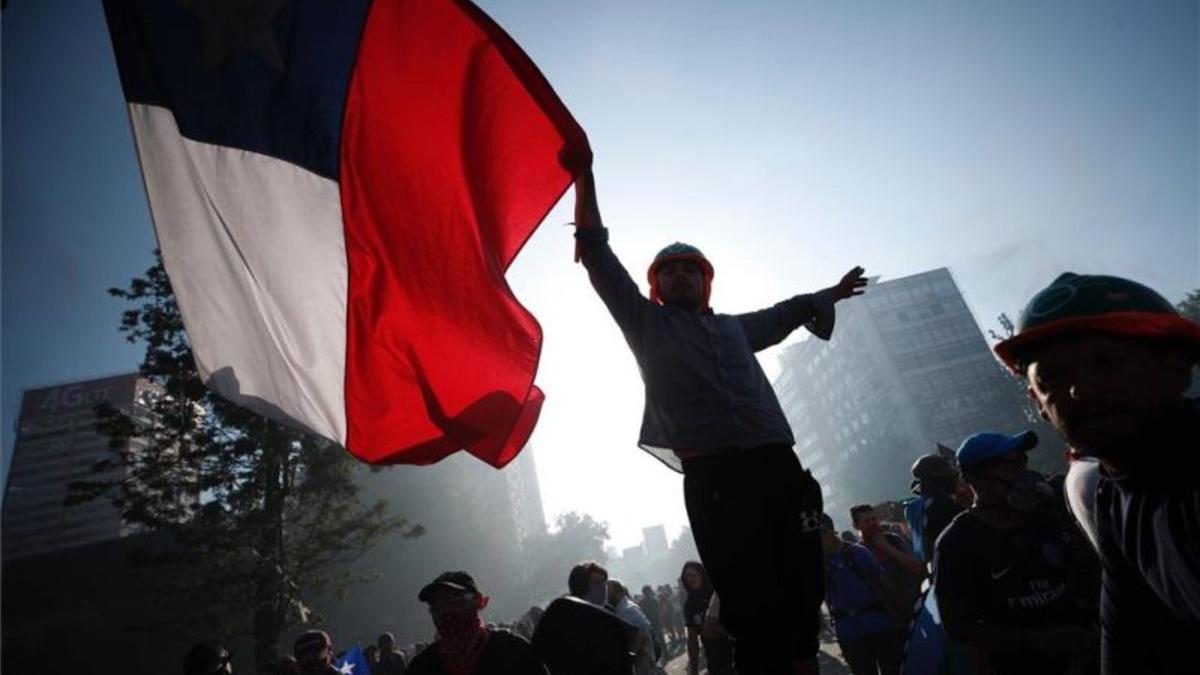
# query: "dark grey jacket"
{"points": [[705, 390]]}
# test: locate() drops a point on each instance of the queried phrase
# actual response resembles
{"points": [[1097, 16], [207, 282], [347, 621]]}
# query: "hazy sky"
{"points": [[1008, 141]]}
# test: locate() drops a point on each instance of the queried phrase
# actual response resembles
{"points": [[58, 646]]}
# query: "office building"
{"points": [[908, 368], [57, 443], [654, 539]]}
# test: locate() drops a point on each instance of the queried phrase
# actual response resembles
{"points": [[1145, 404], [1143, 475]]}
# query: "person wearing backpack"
{"points": [[903, 572], [866, 631]]}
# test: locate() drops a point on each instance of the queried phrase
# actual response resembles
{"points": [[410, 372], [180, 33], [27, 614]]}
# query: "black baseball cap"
{"points": [[311, 641], [456, 581], [931, 467], [205, 657]]}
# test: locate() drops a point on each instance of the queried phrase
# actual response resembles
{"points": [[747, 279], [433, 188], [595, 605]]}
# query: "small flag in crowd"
{"points": [[338, 189], [353, 662]]}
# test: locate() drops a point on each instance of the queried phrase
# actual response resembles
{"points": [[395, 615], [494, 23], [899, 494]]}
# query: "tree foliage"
{"points": [[1190, 305], [1007, 328], [264, 517], [575, 537]]}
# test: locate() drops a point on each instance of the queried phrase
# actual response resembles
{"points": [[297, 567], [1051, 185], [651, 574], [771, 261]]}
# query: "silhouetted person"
{"points": [[314, 653], [936, 484], [1108, 362], [578, 636], [465, 646], [642, 646], [711, 413], [371, 654], [903, 572], [648, 601], [1005, 568], [671, 612], [391, 660], [866, 630], [207, 658], [718, 653]]}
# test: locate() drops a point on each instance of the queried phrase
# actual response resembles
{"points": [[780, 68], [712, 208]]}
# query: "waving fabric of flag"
{"points": [[338, 189], [353, 662]]}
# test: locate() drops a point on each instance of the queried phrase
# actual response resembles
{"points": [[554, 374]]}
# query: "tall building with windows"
{"points": [[654, 540], [908, 368], [57, 442], [525, 494]]}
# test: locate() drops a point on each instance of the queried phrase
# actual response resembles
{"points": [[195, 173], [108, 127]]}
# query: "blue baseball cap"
{"points": [[989, 445]]}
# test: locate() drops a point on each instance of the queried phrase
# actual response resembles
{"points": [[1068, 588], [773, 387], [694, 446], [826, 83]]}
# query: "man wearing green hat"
{"points": [[711, 413], [1107, 361]]}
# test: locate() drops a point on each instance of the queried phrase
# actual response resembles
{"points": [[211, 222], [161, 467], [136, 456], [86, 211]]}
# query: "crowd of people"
{"points": [[597, 626], [1097, 571], [1108, 363]]}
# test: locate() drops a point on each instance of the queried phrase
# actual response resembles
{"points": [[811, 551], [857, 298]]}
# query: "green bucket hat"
{"points": [[1095, 303]]}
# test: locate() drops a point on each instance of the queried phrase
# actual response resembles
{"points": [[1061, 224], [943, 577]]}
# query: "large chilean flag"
{"points": [[338, 187]]}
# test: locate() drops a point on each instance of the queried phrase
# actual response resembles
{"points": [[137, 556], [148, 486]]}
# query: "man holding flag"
{"points": [[711, 413]]}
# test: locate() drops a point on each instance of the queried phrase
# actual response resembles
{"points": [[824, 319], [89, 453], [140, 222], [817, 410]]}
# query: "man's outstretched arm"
{"points": [[770, 326], [610, 279]]}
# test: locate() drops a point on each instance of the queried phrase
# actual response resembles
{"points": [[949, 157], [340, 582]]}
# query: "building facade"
{"points": [[525, 495], [57, 443], [908, 368], [654, 540]]}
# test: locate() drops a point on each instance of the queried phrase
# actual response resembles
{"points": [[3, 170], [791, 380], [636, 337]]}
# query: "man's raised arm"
{"points": [[610, 279], [770, 326]]}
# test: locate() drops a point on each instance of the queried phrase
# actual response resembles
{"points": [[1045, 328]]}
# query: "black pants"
{"points": [[754, 515], [718, 654], [875, 654]]}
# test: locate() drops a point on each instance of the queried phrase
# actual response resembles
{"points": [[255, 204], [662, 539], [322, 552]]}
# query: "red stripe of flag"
{"points": [[449, 161]]}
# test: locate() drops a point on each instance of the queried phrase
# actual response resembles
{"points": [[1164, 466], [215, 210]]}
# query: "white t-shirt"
{"points": [[1079, 488]]}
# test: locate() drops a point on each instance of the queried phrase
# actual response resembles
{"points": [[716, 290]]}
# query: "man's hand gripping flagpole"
{"points": [[587, 210]]}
